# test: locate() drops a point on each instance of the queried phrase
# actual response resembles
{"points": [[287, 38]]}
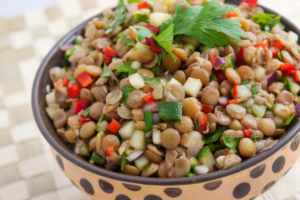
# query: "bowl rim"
{"points": [[292, 131]]}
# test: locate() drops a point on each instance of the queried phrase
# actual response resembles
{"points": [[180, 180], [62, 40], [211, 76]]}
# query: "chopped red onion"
{"points": [[134, 155], [223, 101], [153, 107], [156, 118], [269, 80], [219, 62], [298, 109], [65, 47], [215, 166]]}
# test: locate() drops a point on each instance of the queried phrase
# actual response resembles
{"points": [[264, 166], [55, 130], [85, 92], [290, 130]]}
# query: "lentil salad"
{"points": [[141, 95]]}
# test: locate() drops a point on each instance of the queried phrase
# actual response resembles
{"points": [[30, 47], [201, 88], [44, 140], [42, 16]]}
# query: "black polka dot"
{"points": [[87, 186], [241, 190], [132, 187], [278, 164], [287, 171], [152, 197], [268, 186], [106, 186], [173, 192], [213, 185], [295, 143], [122, 197], [60, 162], [258, 171]]}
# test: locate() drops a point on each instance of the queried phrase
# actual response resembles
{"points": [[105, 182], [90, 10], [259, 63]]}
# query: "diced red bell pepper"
{"points": [[278, 45], [233, 101], [110, 151], [63, 83], [247, 132], [274, 51], [74, 91], [231, 14], [142, 5], [86, 119], [261, 44], [296, 75], [84, 79], [251, 3], [110, 52], [235, 91], [202, 121], [240, 60], [107, 58], [213, 60], [206, 108], [149, 41], [153, 29], [155, 48], [78, 106], [287, 67], [149, 98], [114, 126], [183, 42], [220, 74]]}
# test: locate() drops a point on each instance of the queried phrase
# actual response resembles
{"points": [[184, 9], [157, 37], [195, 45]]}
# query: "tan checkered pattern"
{"points": [[27, 168]]}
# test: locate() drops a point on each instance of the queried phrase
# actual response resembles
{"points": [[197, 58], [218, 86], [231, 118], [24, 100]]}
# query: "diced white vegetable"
{"points": [[191, 40], [173, 81], [243, 91], [156, 137], [136, 65], [163, 82], [138, 141], [278, 121], [102, 126], [156, 19], [192, 86], [202, 169], [220, 161], [50, 98], [141, 46], [126, 130], [190, 138], [50, 111], [168, 2], [142, 11], [282, 111], [141, 162], [136, 81], [194, 161], [259, 73], [236, 125], [187, 47], [293, 37]]}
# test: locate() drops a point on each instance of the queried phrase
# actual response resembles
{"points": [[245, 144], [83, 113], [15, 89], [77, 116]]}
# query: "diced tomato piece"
{"points": [[153, 29], [220, 74], [86, 119], [110, 150], [155, 48], [235, 91], [149, 41], [63, 83], [278, 45], [74, 91], [107, 58], [233, 101], [202, 121], [101, 36], [110, 52], [183, 42], [240, 60], [84, 79], [247, 132], [261, 44], [78, 106], [287, 67], [206, 108], [213, 60], [114, 126], [231, 14], [251, 3], [274, 51], [142, 5], [296, 75], [149, 98]]}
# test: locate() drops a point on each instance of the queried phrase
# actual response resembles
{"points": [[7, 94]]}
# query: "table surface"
{"points": [[27, 168]]}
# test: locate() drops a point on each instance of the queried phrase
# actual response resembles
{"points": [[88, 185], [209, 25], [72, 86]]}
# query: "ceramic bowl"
{"points": [[243, 181]]}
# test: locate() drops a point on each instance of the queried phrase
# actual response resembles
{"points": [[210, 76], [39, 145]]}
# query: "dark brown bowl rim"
{"points": [[36, 107]]}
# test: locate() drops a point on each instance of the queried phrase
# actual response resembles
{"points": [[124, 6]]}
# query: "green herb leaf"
{"points": [[231, 142], [86, 112], [68, 127], [125, 68], [161, 56], [266, 21], [170, 111], [272, 107], [192, 51], [78, 40], [245, 82], [71, 78], [148, 167], [288, 121], [244, 105], [120, 15], [206, 24], [212, 77], [196, 124], [130, 20], [191, 174], [142, 17], [148, 120], [96, 158], [126, 91], [99, 121], [214, 147], [151, 81], [134, 1], [256, 138], [214, 137], [254, 89], [144, 32], [105, 72], [155, 69]]}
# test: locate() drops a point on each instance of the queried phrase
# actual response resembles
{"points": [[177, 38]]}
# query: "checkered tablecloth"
{"points": [[27, 169]]}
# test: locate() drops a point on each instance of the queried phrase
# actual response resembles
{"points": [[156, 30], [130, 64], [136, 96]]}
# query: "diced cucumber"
{"points": [[203, 48], [207, 158], [156, 19], [141, 162], [84, 151], [259, 73], [138, 140], [156, 137], [51, 111], [96, 158], [136, 81], [293, 88], [191, 40], [230, 62], [78, 40], [220, 161], [194, 162], [258, 110], [173, 81], [136, 65], [243, 91], [231, 94], [126, 130], [192, 86]]}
